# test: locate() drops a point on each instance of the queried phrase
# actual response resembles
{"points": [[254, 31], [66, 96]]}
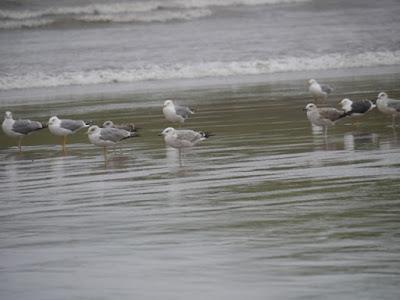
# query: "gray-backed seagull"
{"points": [[388, 106], [64, 127], [19, 128], [176, 113], [319, 91], [105, 137], [184, 138]]}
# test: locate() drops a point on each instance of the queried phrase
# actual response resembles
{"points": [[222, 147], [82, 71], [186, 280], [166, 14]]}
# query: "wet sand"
{"points": [[266, 208]]}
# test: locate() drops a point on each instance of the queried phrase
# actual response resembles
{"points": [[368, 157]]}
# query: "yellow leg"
{"points": [[105, 153], [64, 142]]}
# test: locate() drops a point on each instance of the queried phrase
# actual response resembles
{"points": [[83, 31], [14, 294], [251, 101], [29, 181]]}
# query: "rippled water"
{"points": [[267, 208]]}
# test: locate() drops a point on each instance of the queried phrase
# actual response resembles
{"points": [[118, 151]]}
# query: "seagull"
{"points": [[108, 136], [19, 128], [356, 108], [64, 127], [324, 116], [127, 126], [176, 113], [183, 138], [388, 106], [319, 91]]}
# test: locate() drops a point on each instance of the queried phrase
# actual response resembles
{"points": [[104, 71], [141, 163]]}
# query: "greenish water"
{"points": [[265, 209]]}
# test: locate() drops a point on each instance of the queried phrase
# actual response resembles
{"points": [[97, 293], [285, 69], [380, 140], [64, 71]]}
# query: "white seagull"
{"points": [[19, 128], [183, 138], [319, 91], [126, 126], [324, 116], [176, 113], [388, 106], [64, 127], [105, 137]]}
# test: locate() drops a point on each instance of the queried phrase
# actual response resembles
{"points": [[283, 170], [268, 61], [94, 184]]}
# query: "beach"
{"points": [[263, 202], [266, 208]]}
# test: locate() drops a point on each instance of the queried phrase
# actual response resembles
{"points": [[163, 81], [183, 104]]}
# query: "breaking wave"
{"points": [[199, 70], [121, 12]]}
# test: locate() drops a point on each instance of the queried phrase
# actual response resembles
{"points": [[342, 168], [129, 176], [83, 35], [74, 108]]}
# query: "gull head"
{"points": [[309, 107], [168, 131], [8, 115], [382, 96], [93, 129], [168, 103], [108, 124], [346, 104], [54, 120], [311, 81]]}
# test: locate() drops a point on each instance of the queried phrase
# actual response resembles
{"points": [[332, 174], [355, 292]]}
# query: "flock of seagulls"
{"points": [[328, 116], [110, 134]]}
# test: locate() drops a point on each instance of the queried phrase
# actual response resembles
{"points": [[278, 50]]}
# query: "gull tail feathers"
{"points": [[206, 134]]}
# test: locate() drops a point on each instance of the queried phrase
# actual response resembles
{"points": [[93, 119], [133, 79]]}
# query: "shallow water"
{"points": [[266, 208]]}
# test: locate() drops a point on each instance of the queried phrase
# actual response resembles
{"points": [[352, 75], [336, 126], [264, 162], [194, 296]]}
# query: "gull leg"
{"points": [[19, 144], [394, 121], [64, 142], [325, 131], [105, 153], [180, 156]]}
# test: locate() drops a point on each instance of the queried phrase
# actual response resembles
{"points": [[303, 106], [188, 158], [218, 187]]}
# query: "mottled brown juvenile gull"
{"points": [[324, 116], [126, 126], [19, 128]]}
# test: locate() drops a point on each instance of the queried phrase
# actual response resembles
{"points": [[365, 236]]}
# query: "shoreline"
{"points": [[74, 93]]}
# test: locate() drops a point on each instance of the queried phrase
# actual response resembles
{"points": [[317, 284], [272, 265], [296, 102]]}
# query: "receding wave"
{"points": [[199, 70], [121, 12]]}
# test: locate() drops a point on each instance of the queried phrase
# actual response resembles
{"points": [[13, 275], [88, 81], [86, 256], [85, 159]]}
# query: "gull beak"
{"points": [[304, 109]]}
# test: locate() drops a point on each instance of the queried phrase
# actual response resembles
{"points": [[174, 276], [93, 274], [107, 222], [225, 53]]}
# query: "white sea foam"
{"points": [[139, 11], [200, 70]]}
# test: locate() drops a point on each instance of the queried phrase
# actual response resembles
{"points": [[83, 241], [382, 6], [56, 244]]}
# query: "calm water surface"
{"points": [[266, 209]]}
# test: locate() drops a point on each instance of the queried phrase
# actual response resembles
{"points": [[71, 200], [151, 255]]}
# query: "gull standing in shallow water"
{"points": [[64, 127], [183, 138], [19, 128], [176, 113], [319, 91], [388, 106], [324, 116], [127, 126], [105, 137], [356, 108]]}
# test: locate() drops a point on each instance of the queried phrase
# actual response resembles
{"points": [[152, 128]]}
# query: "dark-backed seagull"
{"points": [[356, 108], [176, 113], [64, 127], [324, 116], [388, 106], [19, 128]]}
